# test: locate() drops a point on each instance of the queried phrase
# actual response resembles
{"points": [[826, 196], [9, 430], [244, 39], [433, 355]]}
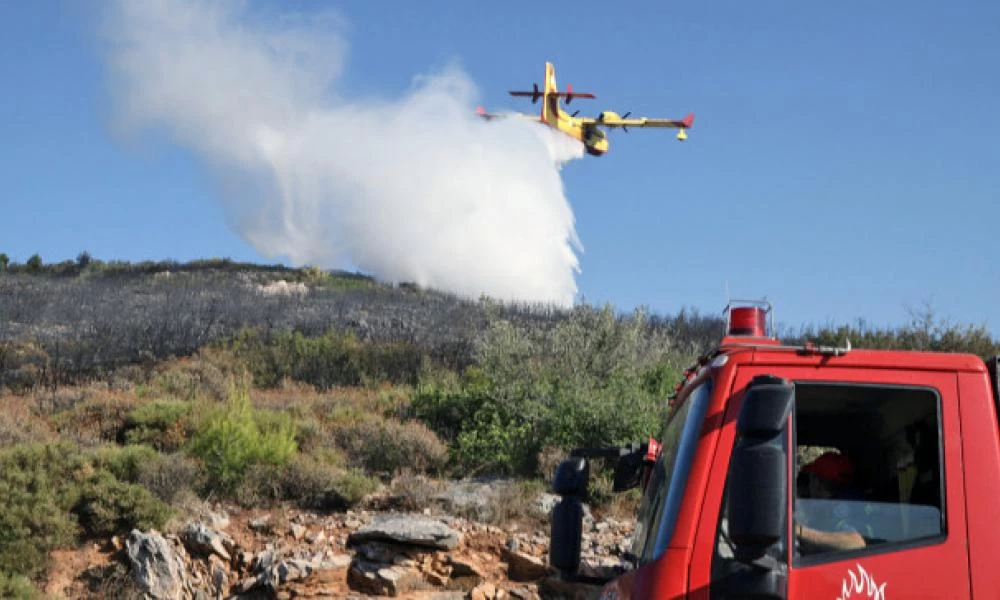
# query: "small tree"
{"points": [[34, 263], [83, 260], [4, 262]]}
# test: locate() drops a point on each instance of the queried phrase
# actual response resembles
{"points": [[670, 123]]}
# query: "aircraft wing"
{"points": [[490, 116], [610, 119]]}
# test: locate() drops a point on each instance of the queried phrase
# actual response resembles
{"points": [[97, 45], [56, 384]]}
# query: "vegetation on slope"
{"points": [[128, 391]]}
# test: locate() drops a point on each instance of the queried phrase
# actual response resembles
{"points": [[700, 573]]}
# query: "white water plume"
{"points": [[415, 188]]}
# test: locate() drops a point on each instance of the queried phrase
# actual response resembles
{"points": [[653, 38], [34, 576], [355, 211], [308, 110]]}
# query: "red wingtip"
{"points": [[688, 120]]}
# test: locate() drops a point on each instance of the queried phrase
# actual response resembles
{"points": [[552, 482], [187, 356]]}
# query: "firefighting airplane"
{"points": [[585, 129]]}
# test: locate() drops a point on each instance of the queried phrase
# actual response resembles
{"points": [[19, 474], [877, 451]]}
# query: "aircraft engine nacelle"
{"points": [[609, 116]]}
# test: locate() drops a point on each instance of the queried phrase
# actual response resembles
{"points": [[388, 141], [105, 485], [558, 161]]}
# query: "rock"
{"points": [[220, 581], [413, 530], [379, 551], [338, 561], [199, 539], [374, 578], [316, 537], [464, 567], [485, 591], [291, 570], [524, 593], [298, 531], [158, 566], [545, 503], [216, 519], [262, 525], [524, 567]]}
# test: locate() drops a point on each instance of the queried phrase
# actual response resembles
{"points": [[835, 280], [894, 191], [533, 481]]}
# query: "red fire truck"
{"points": [[813, 472]]}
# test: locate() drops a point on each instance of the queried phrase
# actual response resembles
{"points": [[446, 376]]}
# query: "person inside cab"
{"points": [[828, 520]]}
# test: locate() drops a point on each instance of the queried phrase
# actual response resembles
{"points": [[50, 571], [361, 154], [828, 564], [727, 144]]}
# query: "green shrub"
{"points": [[163, 424], [50, 494], [124, 462], [34, 264], [17, 587], [238, 437], [352, 487], [107, 505], [593, 379]]}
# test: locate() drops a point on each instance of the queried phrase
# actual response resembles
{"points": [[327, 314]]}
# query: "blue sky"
{"points": [[844, 162]]}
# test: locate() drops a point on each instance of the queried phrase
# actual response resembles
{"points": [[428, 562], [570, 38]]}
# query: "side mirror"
{"points": [[570, 482], [758, 473]]}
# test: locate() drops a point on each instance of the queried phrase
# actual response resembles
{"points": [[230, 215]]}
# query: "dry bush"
{"points": [[389, 446], [515, 501], [411, 492], [605, 502], [548, 459], [23, 366], [506, 501], [111, 580], [340, 404], [96, 420], [309, 435], [171, 477], [206, 375], [621, 506], [307, 481], [64, 398], [19, 424]]}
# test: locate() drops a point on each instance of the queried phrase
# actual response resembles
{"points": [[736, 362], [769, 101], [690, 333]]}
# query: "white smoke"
{"points": [[416, 188]]}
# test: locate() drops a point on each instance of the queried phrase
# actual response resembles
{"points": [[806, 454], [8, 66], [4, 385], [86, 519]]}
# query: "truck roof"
{"points": [[771, 353]]}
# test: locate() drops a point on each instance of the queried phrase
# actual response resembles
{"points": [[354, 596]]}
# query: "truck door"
{"points": [[875, 507]]}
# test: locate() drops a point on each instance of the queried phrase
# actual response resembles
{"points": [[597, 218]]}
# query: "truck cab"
{"points": [[811, 472]]}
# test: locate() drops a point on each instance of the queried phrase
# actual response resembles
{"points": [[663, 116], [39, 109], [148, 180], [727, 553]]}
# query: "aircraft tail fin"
{"points": [[550, 78]]}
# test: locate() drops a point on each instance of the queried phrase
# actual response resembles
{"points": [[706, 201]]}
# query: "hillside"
{"points": [[146, 396]]}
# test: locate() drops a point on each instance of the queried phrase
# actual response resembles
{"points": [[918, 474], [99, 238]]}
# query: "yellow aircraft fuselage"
{"points": [[587, 130], [593, 138]]}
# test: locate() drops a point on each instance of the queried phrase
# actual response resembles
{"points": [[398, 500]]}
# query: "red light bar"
{"points": [[748, 321]]}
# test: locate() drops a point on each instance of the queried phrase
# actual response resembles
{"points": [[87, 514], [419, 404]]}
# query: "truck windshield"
{"points": [[658, 512]]}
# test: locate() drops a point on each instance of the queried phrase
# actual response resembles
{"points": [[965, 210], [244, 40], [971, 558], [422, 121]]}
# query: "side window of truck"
{"points": [[868, 470]]}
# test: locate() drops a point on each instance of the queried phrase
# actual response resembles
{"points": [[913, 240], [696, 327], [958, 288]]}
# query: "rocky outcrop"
{"points": [[359, 554], [159, 565], [199, 539], [408, 529]]}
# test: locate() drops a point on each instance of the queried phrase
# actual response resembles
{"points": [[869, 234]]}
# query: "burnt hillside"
{"points": [[87, 316]]}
